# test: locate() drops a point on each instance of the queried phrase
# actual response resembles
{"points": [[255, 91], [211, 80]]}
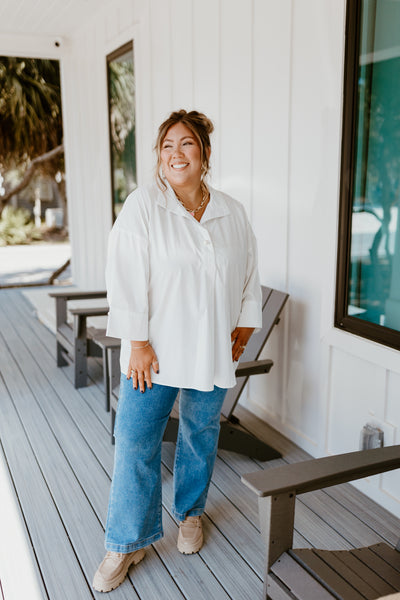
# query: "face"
{"points": [[181, 157]]}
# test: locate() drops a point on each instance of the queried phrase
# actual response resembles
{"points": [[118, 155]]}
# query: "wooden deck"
{"points": [[56, 444]]}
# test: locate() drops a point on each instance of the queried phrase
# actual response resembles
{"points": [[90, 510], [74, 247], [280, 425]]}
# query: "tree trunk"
{"points": [[29, 174]]}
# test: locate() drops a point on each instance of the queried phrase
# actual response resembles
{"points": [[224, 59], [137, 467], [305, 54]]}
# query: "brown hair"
{"points": [[199, 125]]}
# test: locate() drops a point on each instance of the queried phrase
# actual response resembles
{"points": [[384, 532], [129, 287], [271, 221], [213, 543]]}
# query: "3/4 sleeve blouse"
{"points": [[184, 285]]}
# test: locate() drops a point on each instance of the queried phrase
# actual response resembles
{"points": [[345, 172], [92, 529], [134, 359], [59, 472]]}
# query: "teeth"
{"points": [[179, 165]]}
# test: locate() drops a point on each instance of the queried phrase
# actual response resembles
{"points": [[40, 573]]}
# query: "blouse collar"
{"points": [[216, 207]]}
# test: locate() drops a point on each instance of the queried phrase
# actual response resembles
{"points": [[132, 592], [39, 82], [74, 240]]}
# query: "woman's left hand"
{"points": [[239, 337]]}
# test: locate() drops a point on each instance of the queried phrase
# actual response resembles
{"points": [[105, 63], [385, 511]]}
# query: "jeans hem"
{"points": [[127, 548], [196, 512]]}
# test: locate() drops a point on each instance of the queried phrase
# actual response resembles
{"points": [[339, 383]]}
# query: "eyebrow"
{"points": [[185, 137]]}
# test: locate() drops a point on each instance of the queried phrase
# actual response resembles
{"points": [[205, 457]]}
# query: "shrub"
{"points": [[16, 227]]}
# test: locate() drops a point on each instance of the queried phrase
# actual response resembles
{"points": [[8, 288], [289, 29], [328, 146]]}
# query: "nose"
{"points": [[177, 152]]}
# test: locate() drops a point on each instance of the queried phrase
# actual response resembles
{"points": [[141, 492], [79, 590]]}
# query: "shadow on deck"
{"points": [[56, 444]]}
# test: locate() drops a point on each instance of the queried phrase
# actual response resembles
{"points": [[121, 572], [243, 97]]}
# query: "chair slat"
{"points": [[300, 583], [369, 576], [390, 555], [380, 566], [331, 580]]}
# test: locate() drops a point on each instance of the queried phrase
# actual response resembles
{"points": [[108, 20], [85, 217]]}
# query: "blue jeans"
{"points": [[134, 509]]}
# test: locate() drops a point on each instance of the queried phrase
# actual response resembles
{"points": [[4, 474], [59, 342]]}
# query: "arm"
{"points": [[127, 276], [250, 317]]}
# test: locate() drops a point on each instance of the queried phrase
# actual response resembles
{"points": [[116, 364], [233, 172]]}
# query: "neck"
{"points": [[191, 197]]}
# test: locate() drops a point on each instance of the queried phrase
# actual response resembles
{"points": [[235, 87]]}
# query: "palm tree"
{"points": [[30, 118]]}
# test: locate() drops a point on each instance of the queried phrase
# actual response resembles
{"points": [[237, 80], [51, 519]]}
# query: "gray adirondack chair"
{"points": [[304, 574], [232, 436]]}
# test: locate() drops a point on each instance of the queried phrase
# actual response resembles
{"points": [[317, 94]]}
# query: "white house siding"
{"points": [[270, 75]]}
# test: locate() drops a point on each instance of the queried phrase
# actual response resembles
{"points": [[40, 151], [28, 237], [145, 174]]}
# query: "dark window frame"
{"points": [[110, 58], [377, 333]]}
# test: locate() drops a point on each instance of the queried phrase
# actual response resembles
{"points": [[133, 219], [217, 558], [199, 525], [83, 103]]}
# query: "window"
{"points": [[368, 276], [121, 103]]}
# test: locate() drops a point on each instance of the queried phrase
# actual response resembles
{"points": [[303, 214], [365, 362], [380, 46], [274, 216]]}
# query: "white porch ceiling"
{"points": [[46, 17]]}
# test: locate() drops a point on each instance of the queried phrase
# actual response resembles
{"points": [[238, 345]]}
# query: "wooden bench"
{"points": [[75, 343], [232, 436], [304, 574]]}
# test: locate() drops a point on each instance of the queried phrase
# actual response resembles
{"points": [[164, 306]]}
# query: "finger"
{"points": [[237, 352], [141, 381], [134, 378], [147, 378], [234, 334], [155, 365]]}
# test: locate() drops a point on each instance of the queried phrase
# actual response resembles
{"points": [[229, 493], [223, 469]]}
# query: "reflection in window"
{"points": [[373, 268], [121, 98]]}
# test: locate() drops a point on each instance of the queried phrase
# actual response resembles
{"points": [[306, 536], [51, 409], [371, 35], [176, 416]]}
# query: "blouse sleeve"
{"points": [[127, 273], [251, 309]]}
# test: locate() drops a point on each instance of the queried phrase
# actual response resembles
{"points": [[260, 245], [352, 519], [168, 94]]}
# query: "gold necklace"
{"points": [[200, 206]]}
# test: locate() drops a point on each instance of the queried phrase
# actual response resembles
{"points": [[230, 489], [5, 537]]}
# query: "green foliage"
{"points": [[30, 108], [16, 227]]}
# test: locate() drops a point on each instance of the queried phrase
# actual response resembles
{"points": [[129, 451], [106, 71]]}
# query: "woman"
{"points": [[184, 298]]}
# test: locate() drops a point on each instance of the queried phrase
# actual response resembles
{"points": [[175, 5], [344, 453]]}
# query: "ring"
{"points": [[243, 347], [133, 372]]}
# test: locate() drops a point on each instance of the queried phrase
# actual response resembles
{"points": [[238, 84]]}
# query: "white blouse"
{"points": [[184, 285]]}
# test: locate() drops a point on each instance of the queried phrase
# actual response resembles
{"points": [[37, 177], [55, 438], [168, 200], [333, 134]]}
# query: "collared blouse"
{"points": [[184, 285]]}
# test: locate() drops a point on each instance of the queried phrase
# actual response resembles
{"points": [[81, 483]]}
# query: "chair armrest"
{"points": [[98, 311], [324, 472], [254, 367], [79, 295]]}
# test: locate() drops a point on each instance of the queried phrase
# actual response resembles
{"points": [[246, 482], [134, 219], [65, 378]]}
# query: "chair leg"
{"points": [[235, 439], [106, 379], [80, 363], [112, 425], [61, 361]]}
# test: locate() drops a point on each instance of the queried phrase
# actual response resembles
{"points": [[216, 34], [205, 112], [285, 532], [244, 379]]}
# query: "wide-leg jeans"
{"points": [[134, 509]]}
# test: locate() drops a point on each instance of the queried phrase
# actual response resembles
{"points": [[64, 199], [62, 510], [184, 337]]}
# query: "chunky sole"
{"points": [[183, 549], [114, 583]]}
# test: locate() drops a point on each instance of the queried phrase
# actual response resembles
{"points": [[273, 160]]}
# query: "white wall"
{"points": [[270, 75]]}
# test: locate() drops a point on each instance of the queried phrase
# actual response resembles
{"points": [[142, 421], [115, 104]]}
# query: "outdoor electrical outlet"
{"points": [[371, 437]]}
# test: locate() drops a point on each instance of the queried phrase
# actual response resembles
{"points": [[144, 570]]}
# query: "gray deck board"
{"points": [[90, 474], [57, 445]]}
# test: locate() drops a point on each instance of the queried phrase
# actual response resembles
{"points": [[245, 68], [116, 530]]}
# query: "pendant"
{"points": [[192, 213]]}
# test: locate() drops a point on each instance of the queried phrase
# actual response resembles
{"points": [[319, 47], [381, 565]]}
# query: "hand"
{"points": [[239, 337], [142, 358]]}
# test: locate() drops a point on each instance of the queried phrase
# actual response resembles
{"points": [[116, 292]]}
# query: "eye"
{"points": [[166, 146], [188, 143]]}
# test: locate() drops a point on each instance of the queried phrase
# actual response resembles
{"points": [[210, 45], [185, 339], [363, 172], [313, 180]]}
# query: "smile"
{"points": [[179, 165]]}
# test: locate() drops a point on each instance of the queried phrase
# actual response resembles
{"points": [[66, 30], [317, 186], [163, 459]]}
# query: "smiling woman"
{"points": [[184, 297]]}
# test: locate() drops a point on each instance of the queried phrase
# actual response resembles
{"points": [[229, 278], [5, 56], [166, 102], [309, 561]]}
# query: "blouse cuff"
{"points": [[250, 315], [128, 325]]}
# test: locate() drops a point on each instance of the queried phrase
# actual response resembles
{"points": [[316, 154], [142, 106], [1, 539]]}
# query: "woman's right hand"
{"points": [[141, 360]]}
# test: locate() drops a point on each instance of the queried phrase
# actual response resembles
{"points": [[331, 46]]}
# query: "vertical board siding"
{"points": [[206, 70], [271, 104], [359, 397], [161, 67], [182, 54], [236, 106]]}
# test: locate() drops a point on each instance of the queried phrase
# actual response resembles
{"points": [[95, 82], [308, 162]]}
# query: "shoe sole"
{"points": [[140, 554], [191, 550]]}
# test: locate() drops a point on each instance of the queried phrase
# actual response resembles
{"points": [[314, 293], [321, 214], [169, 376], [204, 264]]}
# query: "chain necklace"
{"points": [[200, 206]]}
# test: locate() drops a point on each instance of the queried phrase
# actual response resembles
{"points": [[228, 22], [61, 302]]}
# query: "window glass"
{"points": [[121, 98], [373, 287]]}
